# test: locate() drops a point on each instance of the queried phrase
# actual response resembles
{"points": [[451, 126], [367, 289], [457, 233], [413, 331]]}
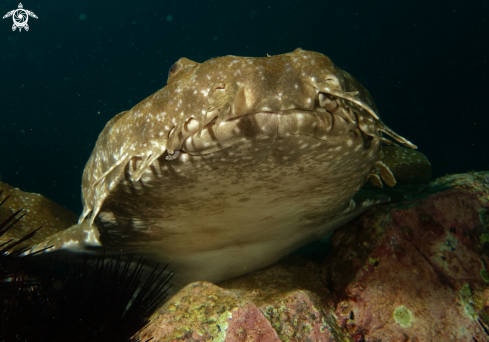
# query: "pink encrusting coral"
{"points": [[415, 270]]}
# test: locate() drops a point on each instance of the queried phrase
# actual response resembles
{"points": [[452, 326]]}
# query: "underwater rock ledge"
{"points": [[408, 271]]}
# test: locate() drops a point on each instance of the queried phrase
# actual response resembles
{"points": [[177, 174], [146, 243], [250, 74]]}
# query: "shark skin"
{"points": [[234, 164]]}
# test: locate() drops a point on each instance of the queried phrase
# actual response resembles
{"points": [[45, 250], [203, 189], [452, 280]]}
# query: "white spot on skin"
{"points": [[70, 244], [91, 238]]}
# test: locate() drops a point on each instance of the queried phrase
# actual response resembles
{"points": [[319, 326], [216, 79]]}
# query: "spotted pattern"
{"points": [[222, 89], [38, 210], [234, 164], [408, 165]]}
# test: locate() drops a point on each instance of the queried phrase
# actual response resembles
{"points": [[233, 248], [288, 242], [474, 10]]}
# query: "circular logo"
{"points": [[20, 17]]}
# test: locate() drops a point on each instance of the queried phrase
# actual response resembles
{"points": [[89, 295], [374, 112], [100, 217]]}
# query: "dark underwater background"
{"points": [[425, 63]]}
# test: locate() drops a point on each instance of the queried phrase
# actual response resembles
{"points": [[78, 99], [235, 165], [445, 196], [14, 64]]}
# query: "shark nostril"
{"points": [[328, 102]]}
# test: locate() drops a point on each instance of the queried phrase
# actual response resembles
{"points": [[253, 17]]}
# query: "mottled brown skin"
{"points": [[235, 163], [38, 211], [407, 165]]}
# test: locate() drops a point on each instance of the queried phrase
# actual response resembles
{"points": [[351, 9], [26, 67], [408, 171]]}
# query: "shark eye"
{"points": [[174, 69]]}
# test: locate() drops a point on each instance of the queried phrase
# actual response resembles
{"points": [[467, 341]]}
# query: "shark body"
{"points": [[231, 166]]}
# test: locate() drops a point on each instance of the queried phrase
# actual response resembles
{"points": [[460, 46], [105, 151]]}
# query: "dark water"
{"points": [[424, 62]]}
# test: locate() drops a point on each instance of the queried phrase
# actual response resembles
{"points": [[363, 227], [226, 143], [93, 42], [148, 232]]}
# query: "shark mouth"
{"points": [[335, 114]]}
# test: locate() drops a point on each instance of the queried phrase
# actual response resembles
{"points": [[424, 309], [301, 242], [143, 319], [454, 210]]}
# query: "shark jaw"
{"points": [[239, 207]]}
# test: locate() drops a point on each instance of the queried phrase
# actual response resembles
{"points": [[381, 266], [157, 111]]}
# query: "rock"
{"points": [[202, 311], [415, 270], [408, 271], [38, 210], [264, 306], [292, 297]]}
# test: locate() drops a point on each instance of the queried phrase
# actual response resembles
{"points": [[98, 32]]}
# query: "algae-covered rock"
{"points": [[202, 311], [263, 306]]}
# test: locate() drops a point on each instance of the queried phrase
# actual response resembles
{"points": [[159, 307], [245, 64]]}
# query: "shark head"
{"points": [[235, 163]]}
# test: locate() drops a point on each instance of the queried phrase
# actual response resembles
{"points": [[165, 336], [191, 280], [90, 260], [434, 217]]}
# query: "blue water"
{"points": [[424, 62]]}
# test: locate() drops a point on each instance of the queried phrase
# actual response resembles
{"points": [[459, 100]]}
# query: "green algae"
{"points": [[484, 217], [219, 328], [467, 300], [484, 275], [484, 237], [296, 324], [450, 245], [374, 261], [403, 316]]}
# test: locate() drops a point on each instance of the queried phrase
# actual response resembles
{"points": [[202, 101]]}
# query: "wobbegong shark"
{"points": [[235, 163]]}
